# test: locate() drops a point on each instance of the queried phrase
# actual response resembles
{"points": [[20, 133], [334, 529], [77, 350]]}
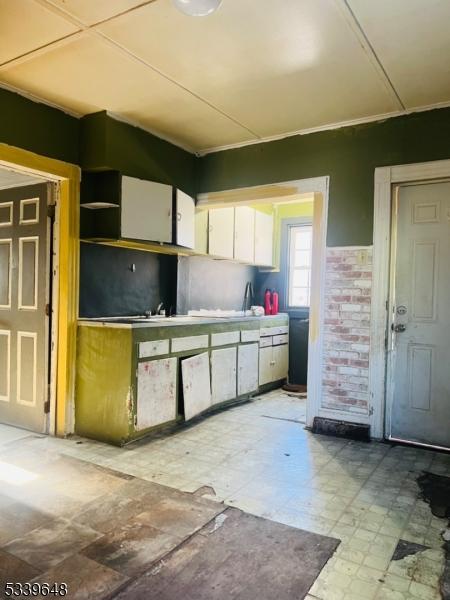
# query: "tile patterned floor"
{"points": [[258, 457]]}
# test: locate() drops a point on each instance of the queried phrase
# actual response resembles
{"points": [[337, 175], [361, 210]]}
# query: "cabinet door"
{"points": [[263, 239], [223, 375], [221, 232], [244, 234], [146, 212], [265, 365], [281, 360], [185, 219], [196, 384], [248, 355], [201, 231], [156, 392]]}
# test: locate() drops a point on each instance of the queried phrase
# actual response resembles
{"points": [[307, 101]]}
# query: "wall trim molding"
{"points": [[380, 335], [327, 127]]}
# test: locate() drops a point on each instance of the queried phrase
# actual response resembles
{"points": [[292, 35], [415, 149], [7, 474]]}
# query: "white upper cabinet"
{"points": [[263, 239], [146, 210], [241, 233], [185, 220], [201, 231], [221, 232], [244, 234]]}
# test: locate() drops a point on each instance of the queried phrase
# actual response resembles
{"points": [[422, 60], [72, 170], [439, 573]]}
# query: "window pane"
{"points": [[302, 258], [303, 238], [300, 297], [300, 278]]}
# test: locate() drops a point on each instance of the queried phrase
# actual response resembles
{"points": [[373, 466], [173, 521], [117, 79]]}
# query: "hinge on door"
{"points": [[48, 310], [371, 411], [51, 211], [47, 402]]}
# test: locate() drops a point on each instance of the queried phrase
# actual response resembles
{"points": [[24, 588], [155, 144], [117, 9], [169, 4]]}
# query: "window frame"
{"points": [[291, 226]]}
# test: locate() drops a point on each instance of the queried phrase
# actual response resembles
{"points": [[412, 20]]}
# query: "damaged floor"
{"points": [[258, 458]]}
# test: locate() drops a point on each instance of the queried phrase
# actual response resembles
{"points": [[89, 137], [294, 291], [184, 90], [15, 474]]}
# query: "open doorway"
{"points": [[39, 289], [301, 203]]}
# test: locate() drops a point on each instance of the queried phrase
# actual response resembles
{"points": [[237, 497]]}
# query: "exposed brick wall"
{"points": [[347, 330]]}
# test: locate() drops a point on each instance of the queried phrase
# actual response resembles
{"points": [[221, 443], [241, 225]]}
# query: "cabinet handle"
{"points": [[178, 216], [272, 362]]}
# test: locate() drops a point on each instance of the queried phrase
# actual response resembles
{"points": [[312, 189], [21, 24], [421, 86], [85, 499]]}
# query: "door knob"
{"points": [[399, 328]]}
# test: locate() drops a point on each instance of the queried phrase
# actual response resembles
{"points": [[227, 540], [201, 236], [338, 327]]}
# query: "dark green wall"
{"points": [[38, 128], [108, 143], [348, 155], [94, 142]]}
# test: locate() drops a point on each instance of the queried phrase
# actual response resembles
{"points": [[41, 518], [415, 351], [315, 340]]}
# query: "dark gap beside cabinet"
{"points": [[108, 286], [298, 324]]}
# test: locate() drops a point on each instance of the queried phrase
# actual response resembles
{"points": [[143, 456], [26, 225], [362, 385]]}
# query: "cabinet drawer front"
{"points": [[250, 335], [280, 339], [155, 348], [191, 342], [222, 339], [274, 330], [265, 341]]}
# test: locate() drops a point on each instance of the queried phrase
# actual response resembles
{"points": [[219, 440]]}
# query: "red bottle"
{"points": [[274, 310], [267, 302]]}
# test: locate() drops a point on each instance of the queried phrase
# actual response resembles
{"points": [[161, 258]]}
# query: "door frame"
{"points": [[318, 187], [386, 180], [65, 276]]}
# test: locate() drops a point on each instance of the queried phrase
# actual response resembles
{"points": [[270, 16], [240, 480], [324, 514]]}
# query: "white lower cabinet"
{"points": [[273, 363], [248, 356], [223, 375], [281, 360], [156, 392], [196, 384]]}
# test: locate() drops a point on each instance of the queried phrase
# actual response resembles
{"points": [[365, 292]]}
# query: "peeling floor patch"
{"points": [[405, 548], [435, 489]]}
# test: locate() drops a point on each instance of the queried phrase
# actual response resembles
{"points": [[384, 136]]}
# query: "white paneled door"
{"points": [[24, 296], [419, 382]]}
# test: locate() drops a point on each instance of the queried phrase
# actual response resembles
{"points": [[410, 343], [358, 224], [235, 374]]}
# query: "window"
{"points": [[299, 261]]}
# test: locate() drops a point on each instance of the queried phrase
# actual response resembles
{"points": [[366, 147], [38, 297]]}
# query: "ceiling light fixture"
{"points": [[197, 8]]}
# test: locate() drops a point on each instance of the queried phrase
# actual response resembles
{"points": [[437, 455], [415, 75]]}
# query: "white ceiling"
{"points": [[255, 69]]}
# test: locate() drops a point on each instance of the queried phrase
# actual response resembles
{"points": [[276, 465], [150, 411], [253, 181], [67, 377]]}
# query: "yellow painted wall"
{"points": [[284, 211]]}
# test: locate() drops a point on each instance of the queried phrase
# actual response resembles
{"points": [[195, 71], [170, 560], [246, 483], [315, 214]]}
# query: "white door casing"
{"points": [[385, 178]]}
